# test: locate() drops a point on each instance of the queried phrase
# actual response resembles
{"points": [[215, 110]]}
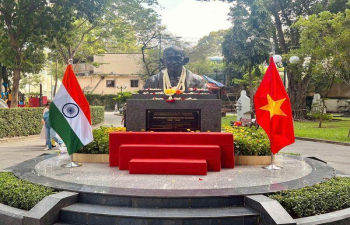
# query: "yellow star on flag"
{"points": [[274, 107]]}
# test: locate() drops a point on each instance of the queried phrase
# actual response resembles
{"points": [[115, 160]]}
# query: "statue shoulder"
{"points": [[195, 80], [153, 81]]}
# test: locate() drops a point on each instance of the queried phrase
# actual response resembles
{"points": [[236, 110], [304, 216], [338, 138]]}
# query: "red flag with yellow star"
{"points": [[273, 109]]}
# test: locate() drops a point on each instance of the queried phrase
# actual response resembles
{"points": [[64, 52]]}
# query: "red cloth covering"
{"points": [[168, 166], [224, 140]]}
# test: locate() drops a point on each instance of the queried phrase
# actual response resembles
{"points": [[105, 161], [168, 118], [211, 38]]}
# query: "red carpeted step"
{"points": [[211, 153], [224, 140], [168, 166]]}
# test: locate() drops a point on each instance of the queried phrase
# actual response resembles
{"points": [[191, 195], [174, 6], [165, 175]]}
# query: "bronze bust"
{"points": [[175, 75]]}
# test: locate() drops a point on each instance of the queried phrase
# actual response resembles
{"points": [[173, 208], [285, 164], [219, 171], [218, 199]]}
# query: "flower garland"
{"points": [[180, 86]]}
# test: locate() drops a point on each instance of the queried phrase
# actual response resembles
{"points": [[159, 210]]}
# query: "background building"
{"points": [[113, 69]]}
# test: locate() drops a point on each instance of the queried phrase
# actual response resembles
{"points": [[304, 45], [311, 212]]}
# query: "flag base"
{"points": [[71, 164], [272, 167]]}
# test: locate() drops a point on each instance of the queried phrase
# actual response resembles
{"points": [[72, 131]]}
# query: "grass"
{"points": [[226, 120], [336, 130]]}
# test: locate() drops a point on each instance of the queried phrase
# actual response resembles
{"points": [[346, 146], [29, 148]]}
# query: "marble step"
{"points": [[161, 202], [96, 214]]}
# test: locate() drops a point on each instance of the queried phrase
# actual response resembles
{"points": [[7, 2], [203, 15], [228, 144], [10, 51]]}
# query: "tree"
{"points": [[325, 37], [246, 45], [286, 38], [114, 31], [209, 45], [27, 25]]}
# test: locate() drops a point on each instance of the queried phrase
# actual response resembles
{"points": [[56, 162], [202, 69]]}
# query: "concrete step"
{"points": [[161, 202], [97, 214]]}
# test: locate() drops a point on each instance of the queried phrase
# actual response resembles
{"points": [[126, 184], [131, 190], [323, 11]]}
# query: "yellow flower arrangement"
{"points": [[169, 91]]}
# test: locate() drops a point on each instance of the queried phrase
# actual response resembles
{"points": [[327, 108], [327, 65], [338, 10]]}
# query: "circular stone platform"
{"points": [[297, 172]]}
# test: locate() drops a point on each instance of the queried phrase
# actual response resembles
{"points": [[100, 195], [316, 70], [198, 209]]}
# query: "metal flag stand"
{"points": [[71, 164], [273, 166]]}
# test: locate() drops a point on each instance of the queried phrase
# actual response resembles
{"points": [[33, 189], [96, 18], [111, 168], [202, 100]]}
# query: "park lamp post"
{"points": [[277, 58], [121, 87]]}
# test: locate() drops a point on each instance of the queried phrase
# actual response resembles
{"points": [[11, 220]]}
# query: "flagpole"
{"points": [[71, 164], [273, 166]]}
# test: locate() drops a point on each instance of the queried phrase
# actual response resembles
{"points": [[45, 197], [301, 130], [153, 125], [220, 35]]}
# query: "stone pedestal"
{"points": [[158, 115]]}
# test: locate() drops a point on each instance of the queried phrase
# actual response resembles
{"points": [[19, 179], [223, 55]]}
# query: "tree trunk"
{"points": [[251, 92], [297, 90], [56, 79], [15, 87], [329, 87]]}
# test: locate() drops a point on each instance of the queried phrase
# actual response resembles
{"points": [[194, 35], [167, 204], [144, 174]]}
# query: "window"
{"points": [[110, 83], [134, 83]]}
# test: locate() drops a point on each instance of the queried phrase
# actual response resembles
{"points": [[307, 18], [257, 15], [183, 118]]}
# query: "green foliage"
{"points": [[20, 121], [97, 114], [19, 193], [16, 122], [249, 141], [123, 97], [318, 115], [100, 144], [326, 197]]}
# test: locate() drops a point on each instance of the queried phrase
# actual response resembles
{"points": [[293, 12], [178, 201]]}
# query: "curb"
{"points": [[45, 212], [271, 212], [323, 141]]}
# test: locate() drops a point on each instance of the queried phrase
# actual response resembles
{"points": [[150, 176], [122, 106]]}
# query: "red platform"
{"points": [[223, 140], [168, 166], [211, 153]]}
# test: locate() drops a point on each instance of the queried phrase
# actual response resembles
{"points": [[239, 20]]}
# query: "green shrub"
{"points": [[100, 144], [16, 122], [249, 141], [108, 101], [97, 114], [19, 193], [326, 197], [20, 121], [317, 116]]}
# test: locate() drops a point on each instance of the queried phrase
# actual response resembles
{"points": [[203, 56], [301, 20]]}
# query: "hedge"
{"points": [[27, 121], [19, 193], [330, 196], [108, 101], [105, 100]]}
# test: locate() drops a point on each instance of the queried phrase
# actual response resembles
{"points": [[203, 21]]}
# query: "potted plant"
{"points": [[98, 150], [251, 145]]}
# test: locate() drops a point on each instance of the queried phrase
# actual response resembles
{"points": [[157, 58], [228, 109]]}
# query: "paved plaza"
{"points": [[17, 150]]}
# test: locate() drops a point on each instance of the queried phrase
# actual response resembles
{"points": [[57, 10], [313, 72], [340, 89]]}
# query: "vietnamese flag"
{"points": [[273, 109]]}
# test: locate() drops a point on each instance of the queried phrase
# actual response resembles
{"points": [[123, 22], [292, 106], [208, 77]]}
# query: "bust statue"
{"points": [[175, 75]]}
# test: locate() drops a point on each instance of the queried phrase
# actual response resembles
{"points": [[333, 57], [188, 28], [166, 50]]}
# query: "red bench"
{"points": [[211, 153], [223, 140], [168, 166]]}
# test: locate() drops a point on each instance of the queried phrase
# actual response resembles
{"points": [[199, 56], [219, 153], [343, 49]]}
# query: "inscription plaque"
{"points": [[173, 120]]}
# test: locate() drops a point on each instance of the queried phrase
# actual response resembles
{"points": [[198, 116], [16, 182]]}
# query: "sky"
{"points": [[191, 19]]}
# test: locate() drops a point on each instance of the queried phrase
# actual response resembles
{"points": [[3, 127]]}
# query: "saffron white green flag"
{"points": [[70, 113]]}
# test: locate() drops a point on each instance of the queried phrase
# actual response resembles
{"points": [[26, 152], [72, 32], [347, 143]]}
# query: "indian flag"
{"points": [[70, 113]]}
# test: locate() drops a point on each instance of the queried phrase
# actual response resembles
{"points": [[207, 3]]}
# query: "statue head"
{"points": [[174, 58]]}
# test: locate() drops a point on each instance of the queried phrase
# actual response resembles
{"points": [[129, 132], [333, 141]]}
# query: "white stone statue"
{"points": [[317, 105], [243, 106]]}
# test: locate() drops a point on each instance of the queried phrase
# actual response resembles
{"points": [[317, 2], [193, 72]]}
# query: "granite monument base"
{"points": [[182, 115]]}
